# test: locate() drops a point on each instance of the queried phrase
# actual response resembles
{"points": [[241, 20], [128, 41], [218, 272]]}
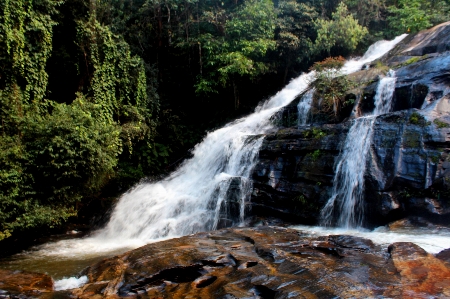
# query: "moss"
{"points": [[315, 133], [411, 139], [440, 124], [301, 203], [435, 158], [388, 139], [382, 67], [411, 61], [315, 155], [418, 120]]}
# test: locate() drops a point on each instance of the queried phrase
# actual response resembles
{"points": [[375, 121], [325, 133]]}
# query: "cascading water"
{"points": [[192, 198], [304, 106], [196, 197], [345, 207]]}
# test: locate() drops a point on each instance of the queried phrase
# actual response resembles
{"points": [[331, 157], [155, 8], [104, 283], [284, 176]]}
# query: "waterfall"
{"points": [[194, 197], [206, 192], [345, 206], [304, 106]]}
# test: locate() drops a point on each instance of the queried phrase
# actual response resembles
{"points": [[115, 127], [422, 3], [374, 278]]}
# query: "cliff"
{"points": [[408, 166]]}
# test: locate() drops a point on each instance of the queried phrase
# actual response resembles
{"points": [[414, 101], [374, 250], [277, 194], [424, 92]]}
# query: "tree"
{"points": [[341, 31], [56, 153], [295, 28], [238, 46], [367, 11], [408, 16]]}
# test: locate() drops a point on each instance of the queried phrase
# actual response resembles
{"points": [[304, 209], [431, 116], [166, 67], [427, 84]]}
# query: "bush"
{"points": [[331, 85], [61, 157]]}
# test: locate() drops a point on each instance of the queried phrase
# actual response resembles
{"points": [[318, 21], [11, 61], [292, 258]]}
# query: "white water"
{"points": [[431, 240], [70, 283], [189, 200], [345, 206], [304, 106]]}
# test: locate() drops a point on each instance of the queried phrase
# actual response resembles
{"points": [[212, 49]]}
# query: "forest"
{"points": [[96, 95]]}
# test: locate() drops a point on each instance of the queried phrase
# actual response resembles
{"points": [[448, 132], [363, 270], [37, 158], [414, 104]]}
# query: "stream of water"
{"points": [[196, 196], [345, 207]]}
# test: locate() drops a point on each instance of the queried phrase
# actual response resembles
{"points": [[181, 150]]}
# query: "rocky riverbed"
{"points": [[260, 262]]}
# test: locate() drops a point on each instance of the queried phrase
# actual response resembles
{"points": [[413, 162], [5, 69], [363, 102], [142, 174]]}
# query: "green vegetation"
{"points": [[95, 95], [411, 61], [382, 67], [316, 155], [331, 85], [412, 139], [417, 119], [440, 124], [315, 133], [342, 30]]}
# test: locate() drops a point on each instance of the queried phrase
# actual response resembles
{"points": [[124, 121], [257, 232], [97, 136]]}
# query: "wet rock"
{"points": [[444, 255], [352, 242], [204, 281], [248, 265], [421, 273], [294, 172], [274, 262], [434, 40], [25, 284]]}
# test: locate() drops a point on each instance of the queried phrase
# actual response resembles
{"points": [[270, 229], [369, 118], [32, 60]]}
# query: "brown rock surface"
{"points": [[14, 283], [268, 262], [421, 273]]}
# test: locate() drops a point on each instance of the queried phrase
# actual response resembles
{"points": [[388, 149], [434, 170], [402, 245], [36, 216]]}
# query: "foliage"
{"points": [[408, 16], [341, 31], [54, 155], [331, 86], [295, 30], [59, 158], [316, 155], [417, 119], [247, 35], [118, 84], [329, 64], [382, 67], [315, 133], [26, 44], [73, 151], [367, 11], [440, 124]]}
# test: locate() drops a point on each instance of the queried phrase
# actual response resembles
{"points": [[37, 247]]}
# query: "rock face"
{"points": [[408, 167], [268, 262]]}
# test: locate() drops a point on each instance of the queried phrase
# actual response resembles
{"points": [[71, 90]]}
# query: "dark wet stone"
{"points": [[444, 255], [352, 242]]}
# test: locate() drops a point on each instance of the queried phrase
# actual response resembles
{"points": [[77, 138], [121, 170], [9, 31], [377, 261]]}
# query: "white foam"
{"points": [[70, 283]]}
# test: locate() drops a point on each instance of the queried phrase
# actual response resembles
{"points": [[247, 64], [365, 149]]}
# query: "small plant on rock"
{"points": [[440, 124], [331, 85]]}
